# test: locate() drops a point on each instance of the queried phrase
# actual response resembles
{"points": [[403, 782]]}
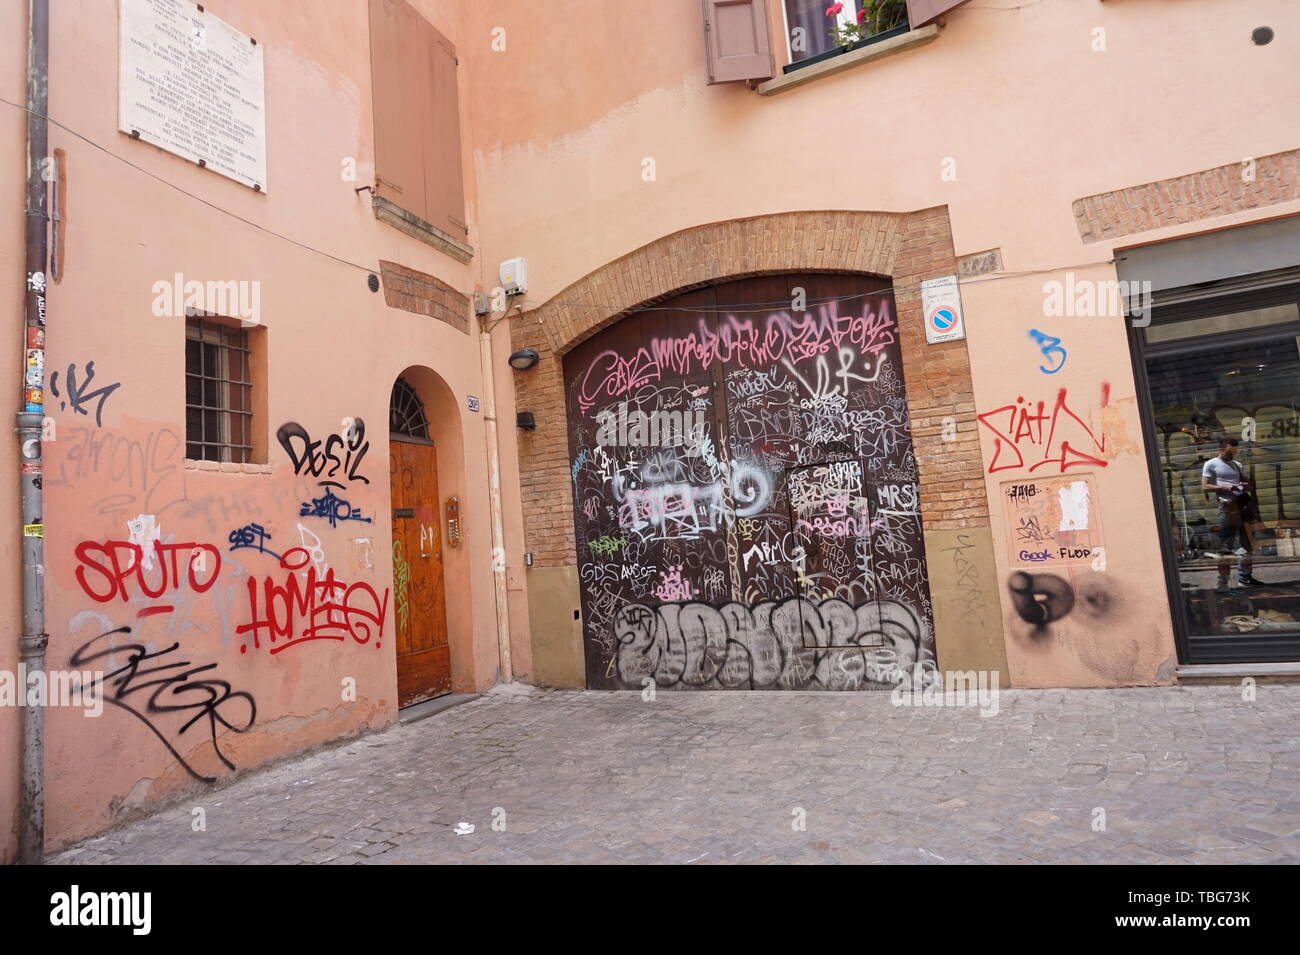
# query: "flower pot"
{"points": [[841, 50]]}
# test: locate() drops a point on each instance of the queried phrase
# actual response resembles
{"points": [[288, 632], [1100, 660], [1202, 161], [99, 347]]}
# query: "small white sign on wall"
{"points": [[473, 403], [941, 305], [193, 85]]}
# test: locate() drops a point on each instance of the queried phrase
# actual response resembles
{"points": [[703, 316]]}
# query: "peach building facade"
{"points": [[885, 280]]}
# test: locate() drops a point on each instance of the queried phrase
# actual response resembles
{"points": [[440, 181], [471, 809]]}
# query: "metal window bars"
{"points": [[218, 393]]}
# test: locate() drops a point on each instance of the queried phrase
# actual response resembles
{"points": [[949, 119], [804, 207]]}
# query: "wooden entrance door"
{"points": [[419, 599]]}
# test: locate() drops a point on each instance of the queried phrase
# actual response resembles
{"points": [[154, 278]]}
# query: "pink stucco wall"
{"points": [[333, 351], [1015, 104], [555, 130]]}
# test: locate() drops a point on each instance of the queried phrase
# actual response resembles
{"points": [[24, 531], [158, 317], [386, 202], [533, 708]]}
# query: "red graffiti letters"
{"points": [[103, 570], [327, 609], [1034, 434]]}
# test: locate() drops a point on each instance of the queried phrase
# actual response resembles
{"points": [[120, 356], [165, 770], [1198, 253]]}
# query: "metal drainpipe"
{"points": [[31, 645], [494, 498]]}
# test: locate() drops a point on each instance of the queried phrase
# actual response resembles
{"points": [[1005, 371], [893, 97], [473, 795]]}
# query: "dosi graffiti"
{"points": [[319, 458]]}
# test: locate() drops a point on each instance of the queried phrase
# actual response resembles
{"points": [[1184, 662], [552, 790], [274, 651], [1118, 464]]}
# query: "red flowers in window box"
{"points": [[875, 16]]}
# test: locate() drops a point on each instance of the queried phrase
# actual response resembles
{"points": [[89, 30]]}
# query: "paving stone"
{"points": [[1185, 775]]}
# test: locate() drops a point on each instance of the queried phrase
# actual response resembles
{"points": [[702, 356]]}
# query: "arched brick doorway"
{"points": [[746, 498], [906, 247]]}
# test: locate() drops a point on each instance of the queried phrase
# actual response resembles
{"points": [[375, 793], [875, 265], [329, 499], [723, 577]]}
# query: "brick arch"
{"points": [[904, 247], [846, 241]]}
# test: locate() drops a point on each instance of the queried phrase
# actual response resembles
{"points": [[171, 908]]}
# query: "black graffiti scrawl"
{"points": [[335, 455], [745, 491]]}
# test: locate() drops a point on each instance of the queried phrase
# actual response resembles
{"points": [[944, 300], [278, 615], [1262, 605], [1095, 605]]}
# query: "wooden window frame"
{"points": [[844, 18]]}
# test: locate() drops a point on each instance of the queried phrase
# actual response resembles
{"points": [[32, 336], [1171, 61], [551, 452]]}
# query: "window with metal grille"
{"points": [[406, 412], [218, 393]]}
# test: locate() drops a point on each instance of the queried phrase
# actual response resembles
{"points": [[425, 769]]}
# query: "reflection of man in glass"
{"points": [[1224, 477]]}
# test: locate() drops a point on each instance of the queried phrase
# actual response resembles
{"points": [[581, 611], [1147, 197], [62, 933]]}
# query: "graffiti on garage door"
{"points": [[745, 492]]}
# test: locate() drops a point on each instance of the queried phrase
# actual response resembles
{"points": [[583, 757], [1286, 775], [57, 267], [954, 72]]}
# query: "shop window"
{"points": [[1235, 321], [1223, 379]]}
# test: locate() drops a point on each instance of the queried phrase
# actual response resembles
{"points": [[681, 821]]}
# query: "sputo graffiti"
{"points": [[112, 570]]}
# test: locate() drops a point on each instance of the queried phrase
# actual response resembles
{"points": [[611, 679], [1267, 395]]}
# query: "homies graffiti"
{"points": [[325, 608]]}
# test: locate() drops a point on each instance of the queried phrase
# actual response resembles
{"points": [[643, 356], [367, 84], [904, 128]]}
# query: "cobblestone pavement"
{"points": [[1191, 774]]}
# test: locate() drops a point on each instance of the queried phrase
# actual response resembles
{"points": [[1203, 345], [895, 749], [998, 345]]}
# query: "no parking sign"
{"points": [[941, 304]]}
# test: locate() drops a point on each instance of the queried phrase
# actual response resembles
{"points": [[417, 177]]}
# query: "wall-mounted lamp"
{"points": [[525, 420], [523, 359]]}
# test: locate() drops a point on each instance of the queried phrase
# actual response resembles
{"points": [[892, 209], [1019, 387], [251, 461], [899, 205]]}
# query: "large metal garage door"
{"points": [[745, 491]]}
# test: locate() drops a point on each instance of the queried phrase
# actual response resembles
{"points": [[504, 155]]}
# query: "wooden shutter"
{"points": [[736, 42], [921, 12], [396, 43], [443, 183]]}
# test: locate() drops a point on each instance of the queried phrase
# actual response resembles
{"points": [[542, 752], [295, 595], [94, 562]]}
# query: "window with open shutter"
{"points": [[394, 57], [736, 41], [921, 12], [443, 186], [417, 121]]}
